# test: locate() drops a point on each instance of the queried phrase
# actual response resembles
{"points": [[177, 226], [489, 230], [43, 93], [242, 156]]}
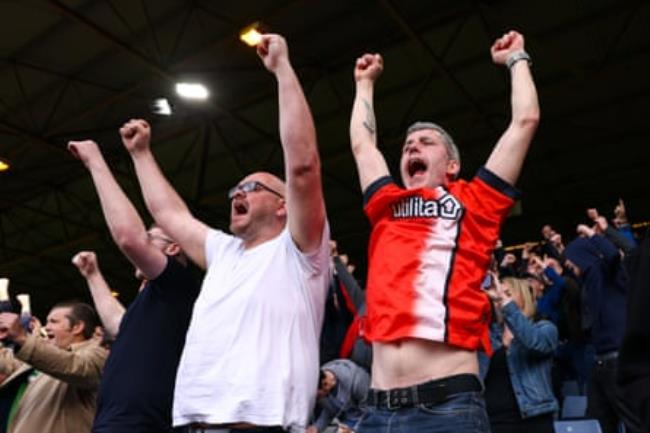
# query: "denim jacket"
{"points": [[529, 357]]}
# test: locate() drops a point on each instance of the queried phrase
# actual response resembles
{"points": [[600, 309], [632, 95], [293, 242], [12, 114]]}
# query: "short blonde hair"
{"points": [[523, 289]]}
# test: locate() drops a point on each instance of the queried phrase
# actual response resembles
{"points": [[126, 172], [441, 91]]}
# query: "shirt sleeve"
{"points": [[176, 280], [80, 367], [216, 243], [377, 196], [317, 261], [489, 196]]}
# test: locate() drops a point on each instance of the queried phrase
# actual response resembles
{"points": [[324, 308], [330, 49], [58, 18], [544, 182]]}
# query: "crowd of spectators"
{"points": [[558, 327], [241, 353]]}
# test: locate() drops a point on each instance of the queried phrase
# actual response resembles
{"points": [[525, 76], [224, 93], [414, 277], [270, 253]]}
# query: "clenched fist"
{"points": [[368, 67], [86, 151], [273, 51], [136, 135], [86, 263], [505, 46]]}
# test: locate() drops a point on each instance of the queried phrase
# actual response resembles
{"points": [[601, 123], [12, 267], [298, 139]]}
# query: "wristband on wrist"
{"points": [[517, 56]]}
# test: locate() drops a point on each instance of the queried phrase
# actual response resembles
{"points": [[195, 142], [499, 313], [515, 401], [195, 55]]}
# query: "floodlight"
{"points": [[161, 106], [192, 91], [251, 35]]}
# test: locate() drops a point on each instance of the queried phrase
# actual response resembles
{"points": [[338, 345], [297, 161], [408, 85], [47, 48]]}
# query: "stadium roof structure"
{"points": [[78, 69]]}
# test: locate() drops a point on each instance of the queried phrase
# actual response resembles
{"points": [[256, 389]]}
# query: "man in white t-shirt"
{"points": [[251, 353]]}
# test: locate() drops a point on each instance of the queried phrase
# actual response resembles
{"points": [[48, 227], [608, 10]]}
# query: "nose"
{"points": [[411, 148], [239, 193]]}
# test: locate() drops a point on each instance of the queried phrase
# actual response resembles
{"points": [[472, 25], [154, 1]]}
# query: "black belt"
{"points": [[208, 428], [432, 392]]}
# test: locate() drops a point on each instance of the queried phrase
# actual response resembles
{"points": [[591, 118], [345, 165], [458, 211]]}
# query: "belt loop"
{"points": [[415, 397]]}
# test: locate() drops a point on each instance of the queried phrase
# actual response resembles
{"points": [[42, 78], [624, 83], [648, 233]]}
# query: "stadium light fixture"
{"points": [[196, 91], [252, 34]]}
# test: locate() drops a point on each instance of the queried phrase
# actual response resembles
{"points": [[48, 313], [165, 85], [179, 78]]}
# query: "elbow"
{"points": [[357, 147], [305, 169], [528, 120], [130, 243]]}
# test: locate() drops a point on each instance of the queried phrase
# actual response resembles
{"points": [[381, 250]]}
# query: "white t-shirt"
{"points": [[251, 351]]}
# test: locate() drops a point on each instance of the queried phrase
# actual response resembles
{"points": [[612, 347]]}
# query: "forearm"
{"points": [[80, 368], [508, 156], [121, 216], [108, 307], [324, 419], [619, 239], [8, 362], [350, 285], [363, 137], [541, 339], [363, 128], [297, 131], [163, 202]]}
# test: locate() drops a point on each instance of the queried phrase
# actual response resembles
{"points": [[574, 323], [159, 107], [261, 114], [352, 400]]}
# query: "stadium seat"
{"points": [[574, 406], [577, 426]]}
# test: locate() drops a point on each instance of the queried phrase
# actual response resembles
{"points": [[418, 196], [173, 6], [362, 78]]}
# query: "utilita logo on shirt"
{"points": [[446, 207]]}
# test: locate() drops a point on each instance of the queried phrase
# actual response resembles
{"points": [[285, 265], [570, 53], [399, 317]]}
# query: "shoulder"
{"points": [[384, 184]]}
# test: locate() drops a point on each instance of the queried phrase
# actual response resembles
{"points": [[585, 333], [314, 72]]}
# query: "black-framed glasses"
{"points": [[250, 186]]}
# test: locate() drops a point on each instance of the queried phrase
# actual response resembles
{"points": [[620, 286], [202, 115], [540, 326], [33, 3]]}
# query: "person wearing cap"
{"points": [[251, 352], [430, 246]]}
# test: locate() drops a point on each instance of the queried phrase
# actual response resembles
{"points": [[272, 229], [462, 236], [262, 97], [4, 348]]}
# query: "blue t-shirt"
{"points": [[137, 387]]}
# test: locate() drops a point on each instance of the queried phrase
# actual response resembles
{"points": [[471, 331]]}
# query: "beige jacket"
{"points": [[61, 398]]}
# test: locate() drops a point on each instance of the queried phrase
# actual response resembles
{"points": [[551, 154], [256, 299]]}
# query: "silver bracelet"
{"points": [[516, 56]]}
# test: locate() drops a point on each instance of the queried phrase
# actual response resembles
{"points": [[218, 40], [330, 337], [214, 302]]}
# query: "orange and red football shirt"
{"points": [[429, 251]]}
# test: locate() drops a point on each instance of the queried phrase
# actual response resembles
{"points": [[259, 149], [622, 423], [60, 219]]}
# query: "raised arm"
{"points": [[363, 127], [305, 204], [123, 221], [108, 307], [510, 151], [164, 203], [82, 367]]}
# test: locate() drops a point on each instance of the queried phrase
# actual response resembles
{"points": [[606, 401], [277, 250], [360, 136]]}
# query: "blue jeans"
{"points": [[461, 413]]}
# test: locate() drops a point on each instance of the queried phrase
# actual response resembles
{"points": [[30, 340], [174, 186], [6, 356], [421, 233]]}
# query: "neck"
{"points": [[260, 238]]}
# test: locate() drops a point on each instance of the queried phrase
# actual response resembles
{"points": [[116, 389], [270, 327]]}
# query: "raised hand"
{"points": [[585, 230], [273, 51], [620, 217], [136, 135], [86, 263], [11, 328], [368, 67], [86, 150], [505, 46], [508, 259]]}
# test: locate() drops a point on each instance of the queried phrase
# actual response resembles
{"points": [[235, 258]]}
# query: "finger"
{"points": [[72, 148]]}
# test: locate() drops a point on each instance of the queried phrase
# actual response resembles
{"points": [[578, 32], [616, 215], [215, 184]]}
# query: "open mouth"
{"points": [[416, 166], [240, 208]]}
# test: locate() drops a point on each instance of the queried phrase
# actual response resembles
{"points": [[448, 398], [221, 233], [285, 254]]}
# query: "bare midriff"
{"points": [[413, 361]]}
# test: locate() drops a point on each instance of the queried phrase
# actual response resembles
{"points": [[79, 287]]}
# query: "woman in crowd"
{"points": [[517, 378]]}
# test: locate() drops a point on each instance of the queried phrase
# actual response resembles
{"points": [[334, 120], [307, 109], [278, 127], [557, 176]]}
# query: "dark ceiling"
{"points": [[78, 69]]}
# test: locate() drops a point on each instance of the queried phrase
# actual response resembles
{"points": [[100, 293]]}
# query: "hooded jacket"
{"points": [[605, 280]]}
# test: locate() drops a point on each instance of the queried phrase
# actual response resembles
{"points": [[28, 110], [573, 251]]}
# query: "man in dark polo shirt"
{"points": [[138, 382]]}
